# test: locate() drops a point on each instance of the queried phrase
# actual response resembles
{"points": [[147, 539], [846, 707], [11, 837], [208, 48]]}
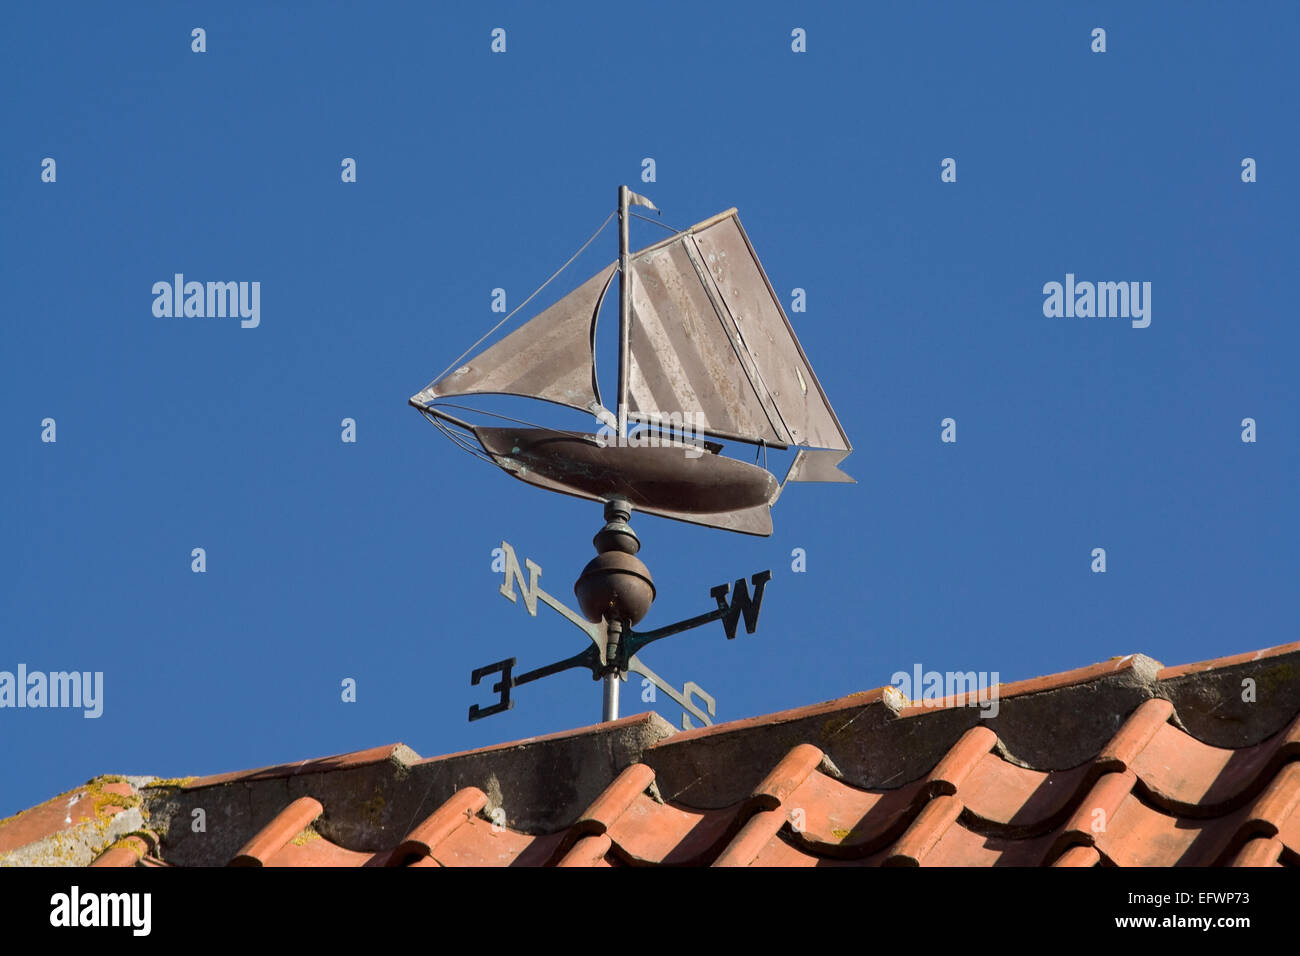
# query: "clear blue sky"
{"points": [[371, 560]]}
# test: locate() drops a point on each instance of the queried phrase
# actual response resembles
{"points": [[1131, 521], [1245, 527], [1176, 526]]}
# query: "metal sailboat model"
{"points": [[705, 348]]}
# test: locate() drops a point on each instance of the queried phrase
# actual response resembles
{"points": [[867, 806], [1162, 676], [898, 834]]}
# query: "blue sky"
{"points": [[476, 170]]}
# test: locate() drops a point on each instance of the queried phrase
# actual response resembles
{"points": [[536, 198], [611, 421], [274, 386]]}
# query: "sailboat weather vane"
{"points": [[705, 349]]}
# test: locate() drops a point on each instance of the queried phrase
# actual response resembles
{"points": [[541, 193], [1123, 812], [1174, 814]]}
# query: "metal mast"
{"points": [[624, 310], [615, 628]]}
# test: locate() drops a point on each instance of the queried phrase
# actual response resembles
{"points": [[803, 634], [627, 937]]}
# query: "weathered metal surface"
{"points": [[705, 349], [710, 338], [624, 310], [818, 465], [549, 357], [615, 644], [765, 332], [755, 519], [692, 698], [614, 585], [683, 362], [650, 478]]}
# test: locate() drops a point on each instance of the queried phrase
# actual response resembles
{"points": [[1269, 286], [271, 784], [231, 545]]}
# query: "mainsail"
{"points": [[709, 336]]}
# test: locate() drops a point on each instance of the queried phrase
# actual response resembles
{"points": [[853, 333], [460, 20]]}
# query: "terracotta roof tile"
{"points": [[1130, 767], [1079, 856], [1081, 675], [757, 832], [1259, 851], [74, 827], [360, 758], [1235, 701], [840, 705], [67, 810], [1276, 806], [1138, 729], [1136, 834], [589, 851], [961, 760], [961, 846], [838, 820], [309, 848], [654, 833], [777, 852], [614, 802], [786, 777], [271, 839], [1289, 833], [1185, 776], [1019, 800], [479, 843], [440, 824], [1233, 660], [926, 830], [128, 851], [1094, 818], [633, 721]]}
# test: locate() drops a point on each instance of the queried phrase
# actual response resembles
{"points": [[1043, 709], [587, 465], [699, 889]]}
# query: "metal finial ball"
{"points": [[615, 585]]}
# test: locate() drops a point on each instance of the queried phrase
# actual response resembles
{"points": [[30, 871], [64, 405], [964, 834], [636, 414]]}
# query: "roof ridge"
{"points": [[1197, 763]]}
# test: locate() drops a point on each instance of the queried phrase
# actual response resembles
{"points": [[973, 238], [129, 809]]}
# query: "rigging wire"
{"points": [[507, 418], [458, 440], [657, 222], [527, 300]]}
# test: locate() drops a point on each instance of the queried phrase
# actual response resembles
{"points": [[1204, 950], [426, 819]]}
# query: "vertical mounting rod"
{"points": [[624, 311]]}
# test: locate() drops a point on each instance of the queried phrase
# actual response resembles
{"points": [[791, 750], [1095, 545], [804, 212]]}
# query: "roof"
{"points": [[1124, 763]]}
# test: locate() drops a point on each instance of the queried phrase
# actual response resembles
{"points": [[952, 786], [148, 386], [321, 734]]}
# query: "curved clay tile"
{"points": [[128, 851], [925, 832], [286, 825], [1185, 776], [589, 851], [830, 818], [651, 833], [425, 838]]}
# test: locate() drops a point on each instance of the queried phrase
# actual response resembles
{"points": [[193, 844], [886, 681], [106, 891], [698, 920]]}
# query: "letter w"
{"points": [[514, 573], [741, 604]]}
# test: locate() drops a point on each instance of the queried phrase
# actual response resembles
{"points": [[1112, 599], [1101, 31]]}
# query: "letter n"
{"points": [[515, 573]]}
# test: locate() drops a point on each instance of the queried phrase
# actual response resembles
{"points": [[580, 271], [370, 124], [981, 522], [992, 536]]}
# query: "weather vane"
{"points": [[705, 349]]}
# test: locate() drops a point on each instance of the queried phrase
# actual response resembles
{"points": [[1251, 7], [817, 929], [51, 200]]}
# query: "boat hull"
{"points": [[673, 480]]}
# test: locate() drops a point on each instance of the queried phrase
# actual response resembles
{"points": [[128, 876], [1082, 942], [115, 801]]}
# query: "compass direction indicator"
{"points": [[706, 355], [615, 591]]}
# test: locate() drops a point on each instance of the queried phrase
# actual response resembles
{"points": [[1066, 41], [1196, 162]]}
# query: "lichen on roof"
{"points": [[306, 836]]}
